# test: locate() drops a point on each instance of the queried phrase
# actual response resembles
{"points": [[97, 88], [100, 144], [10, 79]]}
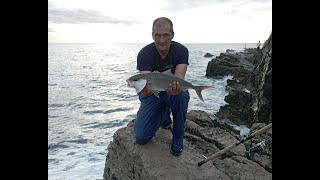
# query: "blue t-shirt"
{"points": [[149, 59]]}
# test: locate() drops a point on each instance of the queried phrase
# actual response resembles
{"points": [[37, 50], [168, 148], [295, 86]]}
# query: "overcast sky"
{"points": [[130, 21]]}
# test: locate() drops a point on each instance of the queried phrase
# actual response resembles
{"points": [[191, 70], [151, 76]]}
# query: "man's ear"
{"points": [[152, 36]]}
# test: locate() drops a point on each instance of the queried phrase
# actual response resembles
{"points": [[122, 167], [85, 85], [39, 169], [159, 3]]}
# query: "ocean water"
{"points": [[88, 100]]}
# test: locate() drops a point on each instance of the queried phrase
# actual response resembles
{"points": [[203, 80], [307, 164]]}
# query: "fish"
{"points": [[157, 82]]}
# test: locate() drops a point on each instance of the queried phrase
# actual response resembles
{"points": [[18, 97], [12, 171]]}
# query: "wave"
{"points": [[53, 161], [105, 125], [78, 141], [57, 146], [62, 145], [107, 111], [55, 105], [51, 116]]}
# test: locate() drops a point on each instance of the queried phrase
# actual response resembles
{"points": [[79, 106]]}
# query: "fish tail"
{"points": [[198, 90]]}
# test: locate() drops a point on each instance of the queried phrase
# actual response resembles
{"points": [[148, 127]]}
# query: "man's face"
{"points": [[162, 36]]}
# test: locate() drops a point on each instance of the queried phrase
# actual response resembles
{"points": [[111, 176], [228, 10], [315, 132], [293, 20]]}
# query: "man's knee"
{"points": [[143, 132], [183, 97], [140, 139]]}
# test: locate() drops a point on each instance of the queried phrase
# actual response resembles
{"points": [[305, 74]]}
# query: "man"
{"points": [[162, 55], [258, 46]]}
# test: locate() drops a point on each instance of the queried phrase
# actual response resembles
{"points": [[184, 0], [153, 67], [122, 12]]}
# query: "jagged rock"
{"points": [[217, 136], [208, 55], [239, 167], [237, 108], [250, 90], [237, 64], [128, 160], [264, 161], [231, 51], [201, 118], [262, 83]]}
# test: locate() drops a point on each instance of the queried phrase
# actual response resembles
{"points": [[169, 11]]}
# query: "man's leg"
{"points": [[165, 117], [148, 118], [179, 107]]}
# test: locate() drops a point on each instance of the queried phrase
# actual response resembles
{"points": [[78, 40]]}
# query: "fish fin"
{"points": [[156, 93], [139, 85], [199, 89], [168, 72]]}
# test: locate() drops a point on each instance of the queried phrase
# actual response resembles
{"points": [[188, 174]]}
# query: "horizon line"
{"points": [[151, 42]]}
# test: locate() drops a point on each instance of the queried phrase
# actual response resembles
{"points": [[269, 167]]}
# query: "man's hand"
{"points": [[145, 91], [174, 88]]}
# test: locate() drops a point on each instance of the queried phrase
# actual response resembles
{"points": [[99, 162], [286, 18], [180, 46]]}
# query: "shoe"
{"points": [[175, 151], [166, 126]]}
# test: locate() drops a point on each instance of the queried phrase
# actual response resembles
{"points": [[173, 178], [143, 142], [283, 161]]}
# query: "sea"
{"points": [[89, 100]]}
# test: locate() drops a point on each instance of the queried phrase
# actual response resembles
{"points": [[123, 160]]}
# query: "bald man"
{"points": [[154, 112]]}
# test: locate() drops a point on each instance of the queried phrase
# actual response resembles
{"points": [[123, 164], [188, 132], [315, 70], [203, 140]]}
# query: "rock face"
{"points": [[250, 90], [238, 64], [128, 160], [262, 84]]}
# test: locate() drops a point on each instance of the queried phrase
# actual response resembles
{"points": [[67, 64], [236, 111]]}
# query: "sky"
{"points": [[130, 21]]}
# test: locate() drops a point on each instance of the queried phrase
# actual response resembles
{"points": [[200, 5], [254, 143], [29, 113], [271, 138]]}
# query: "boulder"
{"points": [[128, 160], [250, 91], [208, 55]]}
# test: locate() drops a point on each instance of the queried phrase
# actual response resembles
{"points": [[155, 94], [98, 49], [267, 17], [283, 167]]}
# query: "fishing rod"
{"points": [[223, 151]]}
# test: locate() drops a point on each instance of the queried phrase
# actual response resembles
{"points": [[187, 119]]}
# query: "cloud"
{"points": [[78, 16], [187, 4], [267, 8], [184, 4]]}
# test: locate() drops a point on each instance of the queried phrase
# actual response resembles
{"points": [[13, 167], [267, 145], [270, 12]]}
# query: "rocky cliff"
{"points": [[203, 137], [250, 90]]}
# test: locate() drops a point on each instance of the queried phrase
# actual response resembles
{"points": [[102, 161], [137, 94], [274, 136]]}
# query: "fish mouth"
{"points": [[130, 83], [138, 85]]}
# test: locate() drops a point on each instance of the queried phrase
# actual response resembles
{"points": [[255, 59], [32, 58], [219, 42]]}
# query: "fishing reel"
{"points": [[256, 148]]}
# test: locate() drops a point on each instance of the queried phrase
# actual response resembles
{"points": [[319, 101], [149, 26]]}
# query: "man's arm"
{"points": [[143, 72], [180, 72]]}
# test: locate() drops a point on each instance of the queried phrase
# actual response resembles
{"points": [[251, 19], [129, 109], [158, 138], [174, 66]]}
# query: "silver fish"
{"points": [[160, 82]]}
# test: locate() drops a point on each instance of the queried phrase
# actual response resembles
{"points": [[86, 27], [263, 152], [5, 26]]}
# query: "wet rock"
{"points": [[201, 118], [128, 160], [238, 167], [208, 55], [250, 90]]}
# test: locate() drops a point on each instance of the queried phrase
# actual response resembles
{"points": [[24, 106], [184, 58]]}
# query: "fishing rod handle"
{"points": [[217, 154], [262, 130]]}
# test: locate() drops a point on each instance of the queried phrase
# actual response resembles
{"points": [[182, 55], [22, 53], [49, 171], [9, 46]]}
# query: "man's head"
{"points": [[162, 33]]}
